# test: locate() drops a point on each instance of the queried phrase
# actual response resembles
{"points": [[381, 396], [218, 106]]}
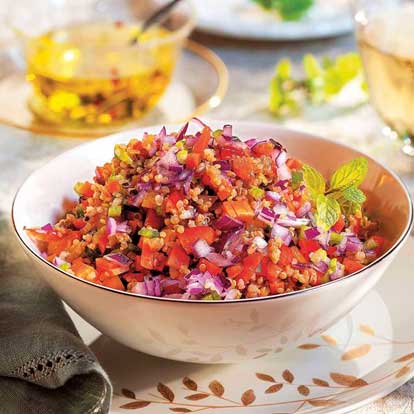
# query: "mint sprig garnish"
{"points": [[342, 195]]}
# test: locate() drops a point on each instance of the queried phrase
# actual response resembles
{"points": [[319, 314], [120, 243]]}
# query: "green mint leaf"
{"points": [[328, 211], [351, 174], [354, 195], [314, 181]]}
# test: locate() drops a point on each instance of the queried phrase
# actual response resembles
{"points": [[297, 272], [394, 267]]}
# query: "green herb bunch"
{"points": [[342, 195]]}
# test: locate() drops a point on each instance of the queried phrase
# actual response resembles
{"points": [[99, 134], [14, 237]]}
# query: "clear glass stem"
{"points": [[408, 145]]}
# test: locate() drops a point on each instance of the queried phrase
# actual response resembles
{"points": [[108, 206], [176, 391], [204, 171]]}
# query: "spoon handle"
{"points": [[156, 18]]}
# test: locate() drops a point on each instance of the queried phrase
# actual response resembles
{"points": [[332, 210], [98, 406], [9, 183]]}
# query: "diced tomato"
{"points": [[239, 209], [339, 225], [246, 275], [234, 271], [39, 235], [134, 225], [252, 261], [243, 168], [175, 273], [172, 199], [113, 186], [133, 277], [193, 161], [356, 225], [352, 266], [224, 191], [276, 285], [308, 246], [172, 288], [149, 200], [380, 242], [85, 189], [114, 283], [228, 152], [294, 164], [210, 267], [160, 261], [298, 255], [263, 148], [192, 234], [83, 270], [286, 256], [270, 270], [331, 251], [102, 242], [79, 223], [153, 219], [148, 254], [177, 257], [202, 141], [57, 246]]}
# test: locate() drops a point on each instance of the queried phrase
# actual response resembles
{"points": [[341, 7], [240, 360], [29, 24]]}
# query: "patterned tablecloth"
{"points": [[251, 66]]}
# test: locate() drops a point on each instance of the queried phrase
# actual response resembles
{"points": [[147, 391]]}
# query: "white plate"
{"points": [[364, 357], [244, 19]]}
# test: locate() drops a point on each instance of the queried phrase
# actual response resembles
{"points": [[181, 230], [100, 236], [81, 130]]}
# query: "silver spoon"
{"points": [[154, 19]]}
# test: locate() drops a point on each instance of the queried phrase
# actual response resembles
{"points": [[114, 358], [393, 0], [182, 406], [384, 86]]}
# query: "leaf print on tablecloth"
{"points": [[367, 330], [274, 388], [323, 403], [320, 382], [303, 390], [190, 384], [308, 346], [180, 410], [405, 358], [248, 397], [196, 397], [347, 380], [329, 339], [265, 377], [216, 388], [357, 352], [165, 392], [403, 371], [134, 405], [288, 376], [128, 393]]}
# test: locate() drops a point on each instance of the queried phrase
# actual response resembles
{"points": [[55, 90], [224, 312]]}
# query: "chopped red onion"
{"points": [[283, 233], [182, 132], [312, 233], [140, 288], [47, 227], [119, 258], [252, 142], [292, 222], [232, 294], [284, 173], [199, 122], [273, 195], [281, 159], [321, 267], [226, 223], [219, 260], [267, 215], [228, 131], [111, 226], [123, 227], [225, 165], [260, 242], [353, 245], [201, 248], [303, 210]]}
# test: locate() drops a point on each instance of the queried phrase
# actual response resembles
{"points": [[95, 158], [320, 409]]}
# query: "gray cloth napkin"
{"points": [[45, 368]]}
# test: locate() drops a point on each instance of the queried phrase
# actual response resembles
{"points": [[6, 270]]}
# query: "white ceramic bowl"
{"points": [[213, 332]]}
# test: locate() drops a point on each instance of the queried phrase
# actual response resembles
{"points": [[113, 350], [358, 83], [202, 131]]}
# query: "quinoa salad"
{"points": [[206, 216]]}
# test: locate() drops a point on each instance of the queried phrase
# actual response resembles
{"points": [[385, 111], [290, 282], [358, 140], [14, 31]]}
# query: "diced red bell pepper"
{"points": [[172, 288], [202, 141], [339, 225], [276, 285], [263, 148], [308, 246], [234, 271], [177, 257], [102, 242], [160, 261], [193, 161], [228, 152], [380, 242], [85, 189], [148, 254], [239, 209], [286, 256], [153, 219], [253, 261], [210, 267], [109, 267], [113, 186], [172, 199], [270, 270], [57, 246], [83, 270], [192, 234], [133, 277], [243, 168], [113, 282], [294, 164], [331, 251], [79, 223], [149, 200], [352, 266]]}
